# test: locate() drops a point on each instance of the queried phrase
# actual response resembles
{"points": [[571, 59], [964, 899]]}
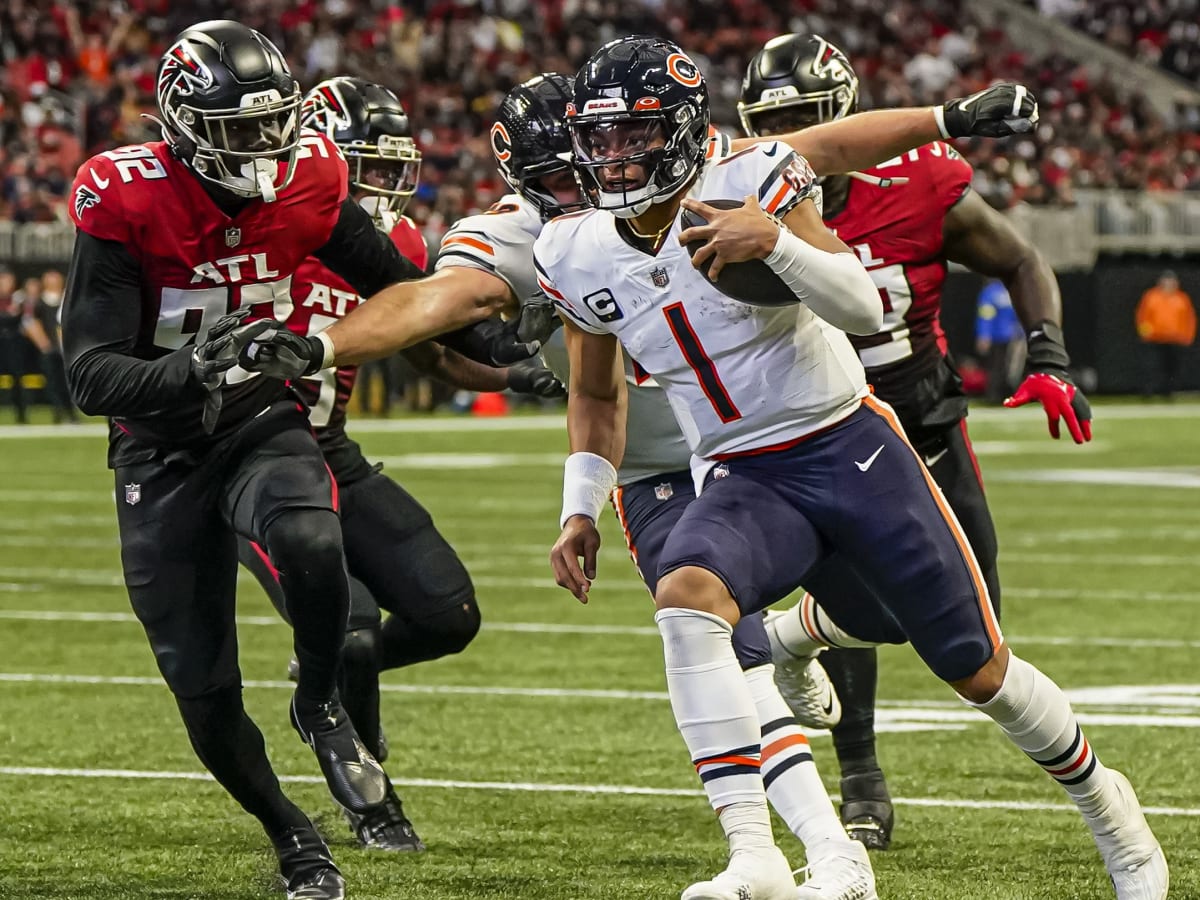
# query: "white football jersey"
{"points": [[738, 377], [500, 241]]}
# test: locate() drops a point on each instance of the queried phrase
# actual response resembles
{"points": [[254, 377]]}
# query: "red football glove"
{"points": [[1060, 399]]}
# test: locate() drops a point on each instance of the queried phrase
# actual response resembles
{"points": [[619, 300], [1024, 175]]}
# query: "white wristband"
{"points": [[939, 117], [327, 343], [588, 481]]}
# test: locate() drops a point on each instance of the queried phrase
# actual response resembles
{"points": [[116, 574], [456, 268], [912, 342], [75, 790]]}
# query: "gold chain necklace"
{"points": [[656, 236]]}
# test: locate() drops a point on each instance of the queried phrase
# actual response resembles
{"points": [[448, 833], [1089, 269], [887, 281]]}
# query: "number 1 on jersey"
{"points": [[701, 364]]}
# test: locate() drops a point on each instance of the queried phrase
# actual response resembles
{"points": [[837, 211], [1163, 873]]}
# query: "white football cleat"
{"points": [[751, 875], [802, 682], [842, 873], [1131, 853]]}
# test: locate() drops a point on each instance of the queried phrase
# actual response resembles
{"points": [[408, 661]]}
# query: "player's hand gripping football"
{"points": [[218, 352], [733, 235], [1048, 383], [998, 111], [579, 539]]}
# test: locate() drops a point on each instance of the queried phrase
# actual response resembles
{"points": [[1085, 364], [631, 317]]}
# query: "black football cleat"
{"points": [[356, 780], [306, 868], [385, 827], [867, 812], [382, 751]]}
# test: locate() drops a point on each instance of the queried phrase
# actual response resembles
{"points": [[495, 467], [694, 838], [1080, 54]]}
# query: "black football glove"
{"points": [[538, 319], [1049, 383], [530, 377], [283, 354], [491, 342], [999, 111], [218, 352]]}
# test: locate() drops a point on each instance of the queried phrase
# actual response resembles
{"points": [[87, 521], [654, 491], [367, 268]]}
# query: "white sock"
{"points": [[793, 785], [806, 628], [712, 705], [1036, 716]]}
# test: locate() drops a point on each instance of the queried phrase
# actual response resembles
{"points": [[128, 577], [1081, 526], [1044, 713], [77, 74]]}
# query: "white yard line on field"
{"points": [[1031, 418], [1171, 702], [542, 788], [648, 631]]}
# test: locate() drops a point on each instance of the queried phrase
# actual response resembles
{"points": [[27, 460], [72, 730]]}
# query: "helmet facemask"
{"points": [[387, 172], [608, 141], [784, 109]]}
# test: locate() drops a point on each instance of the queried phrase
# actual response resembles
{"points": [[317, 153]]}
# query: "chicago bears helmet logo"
{"points": [[85, 198], [501, 146], [683, 70]]}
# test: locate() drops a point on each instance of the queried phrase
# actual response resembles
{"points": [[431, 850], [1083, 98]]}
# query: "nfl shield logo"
{"points": [[664, 492], [721, 471], [233, 236], [133, 494], [659, 277]]}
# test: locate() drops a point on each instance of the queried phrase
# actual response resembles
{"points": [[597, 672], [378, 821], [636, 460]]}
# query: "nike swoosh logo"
{"points": [[931, 461], [774, 149], [101, 183], [870, 460]]}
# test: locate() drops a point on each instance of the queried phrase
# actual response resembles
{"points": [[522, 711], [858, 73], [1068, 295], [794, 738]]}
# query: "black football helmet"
{"points": [[795, 81], [229, 108], [633, 92], [368, 123], [530, 141]]}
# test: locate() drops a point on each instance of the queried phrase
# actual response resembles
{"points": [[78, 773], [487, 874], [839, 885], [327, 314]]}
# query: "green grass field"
{"points": [[543, 764]]}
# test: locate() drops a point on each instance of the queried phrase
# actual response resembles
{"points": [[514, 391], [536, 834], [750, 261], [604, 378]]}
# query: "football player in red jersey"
{"points": [[185, 250], [905, 219], [396, 557]]}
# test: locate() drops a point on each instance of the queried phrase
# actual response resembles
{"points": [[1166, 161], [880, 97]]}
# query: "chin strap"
{"points": [[264, 174]]}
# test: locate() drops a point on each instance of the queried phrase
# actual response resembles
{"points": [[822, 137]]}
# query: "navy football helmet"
{"points": [[229, 108], [531, 143], [638, 101], [795, 81], [370, 126]]}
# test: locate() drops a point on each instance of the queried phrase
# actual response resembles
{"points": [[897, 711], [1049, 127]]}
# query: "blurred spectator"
{"points": [[77, 78], [42, 298], [999, 340], [1166, 323], [12, 342]]}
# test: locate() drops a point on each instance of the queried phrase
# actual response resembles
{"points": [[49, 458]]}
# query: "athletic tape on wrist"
{"points": [[588, 481], [939, 117], [327, 343]]}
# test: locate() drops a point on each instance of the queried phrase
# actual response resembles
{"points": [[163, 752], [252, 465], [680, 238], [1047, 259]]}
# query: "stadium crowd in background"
{"points": [[77, 78]]}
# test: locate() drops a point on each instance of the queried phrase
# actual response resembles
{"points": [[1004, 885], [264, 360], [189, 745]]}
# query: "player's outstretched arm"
{"points": [[596, 431], [404, 314], [101, 317], [984, 241], [866, 139], [458, 371]]}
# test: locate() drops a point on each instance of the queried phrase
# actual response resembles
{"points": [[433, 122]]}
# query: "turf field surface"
{"points": [[543, 763]]}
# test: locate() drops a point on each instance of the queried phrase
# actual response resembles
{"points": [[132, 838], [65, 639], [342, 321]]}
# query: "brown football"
{"points": [[751, 281]]}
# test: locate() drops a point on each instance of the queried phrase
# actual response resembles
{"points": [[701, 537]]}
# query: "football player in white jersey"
{"points": [[799, 469]]}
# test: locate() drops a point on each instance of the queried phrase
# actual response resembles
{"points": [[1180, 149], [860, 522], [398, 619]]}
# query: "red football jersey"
{"points": [[895, 227], [197, 263], [321, 298]]}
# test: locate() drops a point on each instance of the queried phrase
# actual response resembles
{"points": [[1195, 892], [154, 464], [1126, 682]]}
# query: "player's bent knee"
{"points": [[305, 540], [694, 587], [360, 652], [984, 684]]}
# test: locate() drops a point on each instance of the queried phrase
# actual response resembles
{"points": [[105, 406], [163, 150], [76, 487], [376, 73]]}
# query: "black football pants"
{"points": [[399, 562], [178, 517]]}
